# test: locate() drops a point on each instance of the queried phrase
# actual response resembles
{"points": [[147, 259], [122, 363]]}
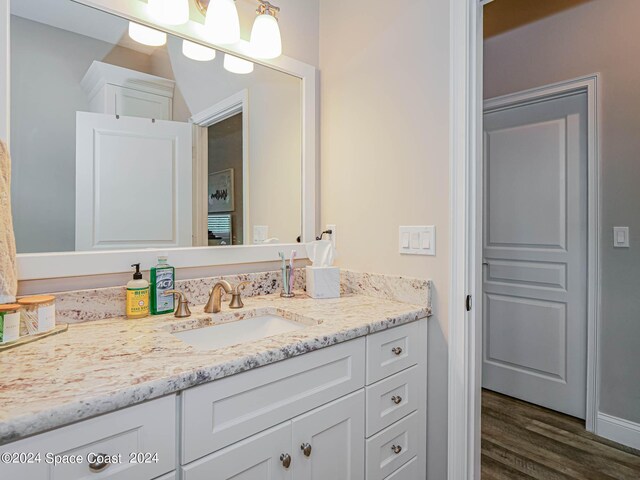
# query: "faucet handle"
{"points": [[236, 298], [182, 310]]}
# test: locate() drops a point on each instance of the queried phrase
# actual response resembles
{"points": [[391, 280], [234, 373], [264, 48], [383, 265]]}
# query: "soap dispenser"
{"points": [[137, 295]]}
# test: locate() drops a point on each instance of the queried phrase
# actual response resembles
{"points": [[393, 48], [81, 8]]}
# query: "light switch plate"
{"points": [[621, 237], [260, 233], [417, 240]]}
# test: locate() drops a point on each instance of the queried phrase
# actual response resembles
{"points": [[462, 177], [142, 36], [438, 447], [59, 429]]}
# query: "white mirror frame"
{"points": [[36, 266]]}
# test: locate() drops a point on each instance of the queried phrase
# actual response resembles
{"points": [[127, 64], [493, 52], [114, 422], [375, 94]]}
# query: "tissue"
{"points": [[323, 280], [321, 253]]}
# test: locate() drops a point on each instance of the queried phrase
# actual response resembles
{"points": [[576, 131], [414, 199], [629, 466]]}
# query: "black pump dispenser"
{"points": [[137, 275]]}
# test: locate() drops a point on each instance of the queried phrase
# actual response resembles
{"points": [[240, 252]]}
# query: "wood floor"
{"points": [[523, 441]]}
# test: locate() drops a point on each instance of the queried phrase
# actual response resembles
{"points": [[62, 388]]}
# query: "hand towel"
{"points": [[8, 266]]}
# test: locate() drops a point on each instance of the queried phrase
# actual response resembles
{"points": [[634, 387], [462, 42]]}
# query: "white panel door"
{"points": [[256, 458], [328, 442], [133, 182], [535, 253]]}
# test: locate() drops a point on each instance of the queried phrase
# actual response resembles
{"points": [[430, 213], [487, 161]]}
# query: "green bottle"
{"points": [[162, 279]]}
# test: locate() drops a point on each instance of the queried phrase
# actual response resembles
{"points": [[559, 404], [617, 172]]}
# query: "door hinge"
{"points": [[468, 303]]}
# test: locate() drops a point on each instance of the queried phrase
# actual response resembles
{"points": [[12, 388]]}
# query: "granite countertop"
{"points": [[100, 366]]}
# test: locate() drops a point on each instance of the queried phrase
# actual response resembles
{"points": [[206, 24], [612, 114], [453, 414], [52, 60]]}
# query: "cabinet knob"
{"points": [[99, 466], [396, 449], [397, 350], [285, 458], [396, 399], [306, 449]]}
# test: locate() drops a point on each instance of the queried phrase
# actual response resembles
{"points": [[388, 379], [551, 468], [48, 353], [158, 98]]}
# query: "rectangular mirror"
{"points": [[120, 145]]}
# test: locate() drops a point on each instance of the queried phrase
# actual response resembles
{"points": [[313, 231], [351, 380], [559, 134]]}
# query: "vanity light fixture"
{"points": [[265, 34], [146, 35], [237, 65], [197, 52], [169, 12], [221, 24]]}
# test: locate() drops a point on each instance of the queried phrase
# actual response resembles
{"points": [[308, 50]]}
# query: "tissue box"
{"points": [[323, 282]]}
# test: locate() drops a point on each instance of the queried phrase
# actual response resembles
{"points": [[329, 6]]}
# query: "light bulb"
{"points": [[170, 12], [237, 65], [265, 37], [146, 35], [222, 24], [198, 52]]}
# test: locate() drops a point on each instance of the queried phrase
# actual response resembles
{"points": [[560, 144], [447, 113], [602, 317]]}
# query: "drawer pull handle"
{"points": [[285, 458], [397, 350], [97, 467], [396, 399], [306, 449], [396, 449]]}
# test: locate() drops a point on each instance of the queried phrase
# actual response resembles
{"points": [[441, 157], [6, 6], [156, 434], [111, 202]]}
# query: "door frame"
{"points": [[589, 85], [232, 105], [465, 328]]}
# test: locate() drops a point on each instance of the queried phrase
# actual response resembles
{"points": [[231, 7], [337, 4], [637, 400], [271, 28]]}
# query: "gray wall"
{"points": [[47, 65], [599, 36]]}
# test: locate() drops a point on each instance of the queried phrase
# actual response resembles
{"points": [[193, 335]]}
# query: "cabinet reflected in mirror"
{"points": [[119, 145]]}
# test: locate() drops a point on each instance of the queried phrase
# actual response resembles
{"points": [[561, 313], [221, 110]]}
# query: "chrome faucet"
{"points": [[215, 296]]}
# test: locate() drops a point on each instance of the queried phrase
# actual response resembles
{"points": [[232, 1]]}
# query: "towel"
{"points": [[8, 267]]}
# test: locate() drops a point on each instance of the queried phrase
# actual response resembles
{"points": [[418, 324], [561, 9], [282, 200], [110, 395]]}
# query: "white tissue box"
{"points": [[323, 282]]}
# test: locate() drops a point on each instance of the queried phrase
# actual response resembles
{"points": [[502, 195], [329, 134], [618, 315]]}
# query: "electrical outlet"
{"points": [[332, 237], [260, 233]]}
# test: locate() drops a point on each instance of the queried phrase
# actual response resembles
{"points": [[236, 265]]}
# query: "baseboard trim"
{"points": [[618, 430]]}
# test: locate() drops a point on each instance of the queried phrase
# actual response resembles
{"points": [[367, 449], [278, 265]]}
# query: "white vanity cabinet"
{"points": [[352, 411], [148, 429], [116, 90]]}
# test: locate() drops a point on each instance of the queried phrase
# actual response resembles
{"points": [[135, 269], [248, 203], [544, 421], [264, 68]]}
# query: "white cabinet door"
{"points": [[256, 458], [133, 182], [134, 103], [328, 442]]}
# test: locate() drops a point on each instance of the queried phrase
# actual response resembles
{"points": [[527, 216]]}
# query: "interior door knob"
{"points": [[285, 458], [306, 449]]}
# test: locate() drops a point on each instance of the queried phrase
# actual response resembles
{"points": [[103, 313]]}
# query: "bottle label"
{"points": [[9, 327], [164, 282], [137, 301]]}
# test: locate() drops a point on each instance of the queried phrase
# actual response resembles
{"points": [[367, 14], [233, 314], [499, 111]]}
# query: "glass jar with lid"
{"points": [[38, 313], [9, 322]]}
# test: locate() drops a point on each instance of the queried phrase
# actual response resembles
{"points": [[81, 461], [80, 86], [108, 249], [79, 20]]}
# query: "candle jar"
{"points": [[38, 313], [9, 322]]}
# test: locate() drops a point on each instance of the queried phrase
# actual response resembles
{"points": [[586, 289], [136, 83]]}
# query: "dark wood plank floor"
{"points": [[524, 441]]}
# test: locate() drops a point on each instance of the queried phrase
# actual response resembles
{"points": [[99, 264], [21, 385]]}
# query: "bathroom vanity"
{"points": [[343, 397]]}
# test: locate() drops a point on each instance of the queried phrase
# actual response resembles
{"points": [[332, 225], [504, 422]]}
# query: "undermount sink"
{"points": [[240, 331]]}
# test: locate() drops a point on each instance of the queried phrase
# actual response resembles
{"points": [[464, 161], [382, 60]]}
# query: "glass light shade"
{"points": [[198, 52], [222, 24], [265, 37], [146, 35], [237, 65], [170, 12]]}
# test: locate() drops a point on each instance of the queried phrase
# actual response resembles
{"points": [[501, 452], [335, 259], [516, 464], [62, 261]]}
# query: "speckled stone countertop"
{"points": [[101, 366]]}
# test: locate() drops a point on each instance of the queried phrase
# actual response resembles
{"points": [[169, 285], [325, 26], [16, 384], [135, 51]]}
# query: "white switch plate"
{"points": [[260, 233], [417, 240], [621, 237]]}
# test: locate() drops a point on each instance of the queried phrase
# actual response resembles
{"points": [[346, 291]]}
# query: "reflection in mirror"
{"points": [[120, 145]]}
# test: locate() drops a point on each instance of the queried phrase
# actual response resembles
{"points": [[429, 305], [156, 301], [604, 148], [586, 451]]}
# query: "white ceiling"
{"points": [[80, 19]]}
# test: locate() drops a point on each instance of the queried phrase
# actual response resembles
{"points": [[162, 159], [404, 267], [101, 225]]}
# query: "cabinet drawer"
{"points": [[149, 427], [391, 399], [224, 411], [392, 350], [391, 448], [408, 471]]}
